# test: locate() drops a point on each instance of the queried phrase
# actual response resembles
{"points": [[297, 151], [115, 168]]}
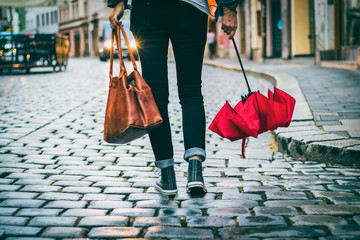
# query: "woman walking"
{"points": [[183, 22]]}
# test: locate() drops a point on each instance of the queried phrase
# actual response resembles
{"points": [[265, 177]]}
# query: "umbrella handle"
{"points": [[243, 148], [242, 68]]}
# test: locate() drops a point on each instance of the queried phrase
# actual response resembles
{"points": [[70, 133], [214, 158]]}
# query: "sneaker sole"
{"points": [[196, 188], [166, 192]]}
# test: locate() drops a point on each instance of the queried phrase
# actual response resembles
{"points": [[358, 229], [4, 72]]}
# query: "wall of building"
{"points": [[87, 17], [73, 22], [269, 30], [324, 28], [256, 30]]}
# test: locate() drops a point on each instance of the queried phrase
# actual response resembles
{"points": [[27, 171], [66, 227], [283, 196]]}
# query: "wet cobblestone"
{"points": [[59, 179]]}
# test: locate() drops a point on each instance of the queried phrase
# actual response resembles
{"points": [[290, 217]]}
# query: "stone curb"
{"points": [[303, 139]]}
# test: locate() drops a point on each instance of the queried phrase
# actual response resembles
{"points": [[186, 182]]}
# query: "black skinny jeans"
{"points": [[153, 24]]}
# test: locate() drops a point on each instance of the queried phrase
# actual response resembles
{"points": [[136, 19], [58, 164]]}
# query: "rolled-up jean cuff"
{"points": [[191, 152], [164, 163]]}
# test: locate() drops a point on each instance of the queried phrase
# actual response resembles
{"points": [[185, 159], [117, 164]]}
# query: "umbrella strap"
{"points": [[242, 68], [243, 148]]}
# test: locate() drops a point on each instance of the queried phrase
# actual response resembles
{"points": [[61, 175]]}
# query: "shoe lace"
{"points": [[157, 171]]}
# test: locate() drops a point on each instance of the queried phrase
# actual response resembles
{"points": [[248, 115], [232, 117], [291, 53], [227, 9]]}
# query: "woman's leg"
{"points": [[188, 39], [152, 42], [153, 48]]}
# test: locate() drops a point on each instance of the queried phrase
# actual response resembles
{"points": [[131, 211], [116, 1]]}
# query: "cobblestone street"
{"points": [[59, 179]]}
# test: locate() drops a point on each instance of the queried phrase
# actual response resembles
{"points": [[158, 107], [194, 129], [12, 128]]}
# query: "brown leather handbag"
{"points": [[131, 110]]}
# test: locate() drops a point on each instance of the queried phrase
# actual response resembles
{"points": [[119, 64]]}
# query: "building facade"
{"points": [[287, 29], [73, 23], [83, 21], [41, 20], [327, 30], [276, 28], [338, 30], [30, 19]]}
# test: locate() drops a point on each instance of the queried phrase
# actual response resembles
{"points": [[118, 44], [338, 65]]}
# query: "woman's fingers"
{"points": [[116, 14], [229, 22], [113, 22]]}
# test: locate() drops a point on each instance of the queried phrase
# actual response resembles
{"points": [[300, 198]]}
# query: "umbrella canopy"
{"points": [[254, 114], [32, 3]]}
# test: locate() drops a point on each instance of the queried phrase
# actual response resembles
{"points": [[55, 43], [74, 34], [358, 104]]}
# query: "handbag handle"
{"points": [[121, 61], [127, 44], [118, 42]]}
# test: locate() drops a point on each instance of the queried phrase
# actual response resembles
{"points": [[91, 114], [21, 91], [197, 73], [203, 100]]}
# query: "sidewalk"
{"points": [[326, 120]]}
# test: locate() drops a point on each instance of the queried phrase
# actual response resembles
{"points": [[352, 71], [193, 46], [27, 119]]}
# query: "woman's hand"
{"points": [[229, 22], [116, 14]]}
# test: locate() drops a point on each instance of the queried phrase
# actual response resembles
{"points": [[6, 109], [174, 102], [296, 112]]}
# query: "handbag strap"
{"points": [[128, 45], [118, 43], [121, 60]]}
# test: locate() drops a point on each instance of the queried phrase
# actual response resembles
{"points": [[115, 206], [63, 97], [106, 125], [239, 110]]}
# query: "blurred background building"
{"points": [[40, 20], [86, 23], [74, 19], [8, 15], [327, 31], [81, 20]]}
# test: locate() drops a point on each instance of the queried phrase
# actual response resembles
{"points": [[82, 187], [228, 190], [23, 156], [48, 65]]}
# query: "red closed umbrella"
{"points": [[286, 107], [254, 114]]}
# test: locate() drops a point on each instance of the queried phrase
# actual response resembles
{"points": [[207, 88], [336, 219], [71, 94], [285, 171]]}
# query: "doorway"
{"points": [[276, 27], [77, 43]]}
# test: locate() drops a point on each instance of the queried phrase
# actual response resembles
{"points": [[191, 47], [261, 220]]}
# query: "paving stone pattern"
{"points": [[60, 180], [333, 96]]}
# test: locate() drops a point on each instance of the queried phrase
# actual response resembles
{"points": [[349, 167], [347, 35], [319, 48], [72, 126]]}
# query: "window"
{"points": [[43, 19], [52, 17], [47, 19], [37, 21], [55, 17]]}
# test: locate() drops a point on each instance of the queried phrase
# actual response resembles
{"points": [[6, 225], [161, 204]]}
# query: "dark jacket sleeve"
{"points": [[231, 4], [113, 3]]}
